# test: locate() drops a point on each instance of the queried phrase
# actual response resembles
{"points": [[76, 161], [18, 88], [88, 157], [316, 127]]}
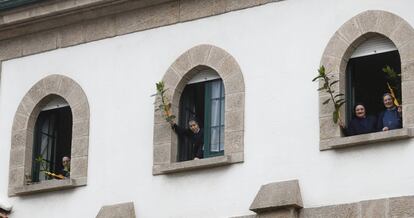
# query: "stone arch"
{"points": [[23, 127], [176, 78], [344, 42]]}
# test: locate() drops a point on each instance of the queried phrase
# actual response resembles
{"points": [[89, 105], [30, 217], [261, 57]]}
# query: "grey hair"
{"points": [[387, 93]]}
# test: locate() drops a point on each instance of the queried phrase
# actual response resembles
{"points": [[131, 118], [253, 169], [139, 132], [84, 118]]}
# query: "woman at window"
{"points": [[195, 134], [361, 123], [66, 166], [391, 117]]}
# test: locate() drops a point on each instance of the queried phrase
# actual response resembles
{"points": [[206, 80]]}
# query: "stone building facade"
{"points": [[283, 156]]}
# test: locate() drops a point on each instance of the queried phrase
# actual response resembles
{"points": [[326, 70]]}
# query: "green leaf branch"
{"points": [[165, 105], [327, 86], [42, 162], [391, 74], [44, 169], [392, 81]]}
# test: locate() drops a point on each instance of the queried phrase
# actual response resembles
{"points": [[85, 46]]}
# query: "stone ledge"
{"points": [[277, 196], [376, 208], [49, 185], [379, 208], [124, 210], [245, 216], [344, 142], [54, 9], [50, 15], [73, 22], [194, 165]]}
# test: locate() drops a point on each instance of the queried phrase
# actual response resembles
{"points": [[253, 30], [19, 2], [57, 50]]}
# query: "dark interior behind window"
{"points": [[191, 107], [203, 101], [52, 141], [366, 82]]}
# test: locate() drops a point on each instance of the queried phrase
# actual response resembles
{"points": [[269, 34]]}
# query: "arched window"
{"points": [[355, 55], [366, 80], [52, 140], [203, 100], [205, 83], [51, 122]]}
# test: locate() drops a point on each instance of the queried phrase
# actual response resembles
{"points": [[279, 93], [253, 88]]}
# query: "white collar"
{"points": [[5, 205]]}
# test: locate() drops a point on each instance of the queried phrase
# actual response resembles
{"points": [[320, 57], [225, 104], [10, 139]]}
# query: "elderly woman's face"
{"points": [[388, 101], [360, 111], [66, 161]]}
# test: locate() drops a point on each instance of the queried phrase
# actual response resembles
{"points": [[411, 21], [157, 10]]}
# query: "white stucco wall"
{"points": [[278, 47]]}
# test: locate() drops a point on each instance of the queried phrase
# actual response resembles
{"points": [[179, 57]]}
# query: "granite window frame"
{"points": [[335, 59], [23, 129], [179, 73]]}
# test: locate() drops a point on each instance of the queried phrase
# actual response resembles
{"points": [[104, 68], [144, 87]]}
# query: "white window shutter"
{"points": [[375, 45]]}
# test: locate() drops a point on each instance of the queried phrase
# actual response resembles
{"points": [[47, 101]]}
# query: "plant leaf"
{"points": [[335, 116], [326, 101], [321, 70], [332, 83], [340, 101], [340, 104], [313, 80]]}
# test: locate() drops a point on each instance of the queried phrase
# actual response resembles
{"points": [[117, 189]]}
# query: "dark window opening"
{"points": [[366, 82], [203, 101], [52, 141]]}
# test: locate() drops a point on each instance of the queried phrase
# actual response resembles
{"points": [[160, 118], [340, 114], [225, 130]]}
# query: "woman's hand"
{"points": [[172, 123], [341, 123], [385, 129]]}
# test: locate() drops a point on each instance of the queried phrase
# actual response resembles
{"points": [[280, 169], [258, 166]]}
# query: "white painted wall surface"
{"points": [[278, 47]]}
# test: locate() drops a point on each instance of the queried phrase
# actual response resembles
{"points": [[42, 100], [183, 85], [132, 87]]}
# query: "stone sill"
{"points": [[343, 142], [194, 164], [49, 185]]}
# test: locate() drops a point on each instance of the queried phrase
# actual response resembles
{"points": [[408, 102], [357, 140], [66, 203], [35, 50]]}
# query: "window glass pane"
{"points": [[215, 139], [222, 138], [46, 143], [222, 112], [215, 89], [215, 112], [42, 175], [43, 146]]}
